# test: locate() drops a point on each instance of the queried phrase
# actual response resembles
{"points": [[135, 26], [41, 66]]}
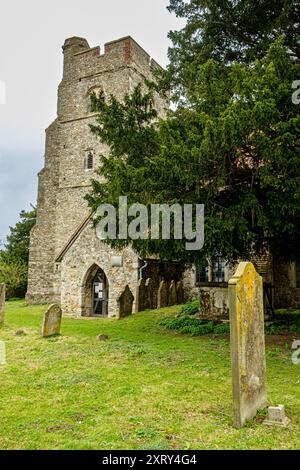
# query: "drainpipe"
{"points": [[142, 268]]}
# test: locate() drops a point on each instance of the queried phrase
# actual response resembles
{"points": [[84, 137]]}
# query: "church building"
{"points": [[68, 263]]}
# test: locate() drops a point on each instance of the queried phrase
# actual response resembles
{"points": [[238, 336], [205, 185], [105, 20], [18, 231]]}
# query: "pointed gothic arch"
{"points": [[95, 293]]}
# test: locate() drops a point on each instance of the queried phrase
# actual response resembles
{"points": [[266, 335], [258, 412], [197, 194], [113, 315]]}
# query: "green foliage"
{"points": [[14, 258], [273, 329], [13, 273], [295, 328], [285, 313], [283, 327], [222, 328], [17, 245], [190, 308], [128, 129], [227, 31], [238, 154], [193, 326], [231, 144]]}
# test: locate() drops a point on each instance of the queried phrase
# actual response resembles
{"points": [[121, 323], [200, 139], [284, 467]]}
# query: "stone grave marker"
{"points": [[52, 321], [172, 294], [247, 343], [149, 294], [125, 303], [162, 295], [277, 417], [179, 288], [141, 293]]}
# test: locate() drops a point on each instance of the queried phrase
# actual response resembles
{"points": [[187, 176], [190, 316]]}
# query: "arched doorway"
{"points": [[100, 294], [95, 290]]}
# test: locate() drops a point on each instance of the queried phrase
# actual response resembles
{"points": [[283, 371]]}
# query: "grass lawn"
{"points": [[144, 388]]}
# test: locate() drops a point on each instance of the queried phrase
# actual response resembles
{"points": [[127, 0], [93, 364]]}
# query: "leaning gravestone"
{"points": [[2, 303], [247, 343], [172, 294], [162, 295], [141, 292], [125, 303], [179, 288], [149, 294], [52, 321]]}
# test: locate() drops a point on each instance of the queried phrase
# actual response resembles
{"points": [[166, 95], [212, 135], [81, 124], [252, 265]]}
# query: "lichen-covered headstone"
{"points": [[247, 343], [125, 303], [172, 294], [162, 295], [180, 297], [52, 321], [2, 353], [2, 303]]}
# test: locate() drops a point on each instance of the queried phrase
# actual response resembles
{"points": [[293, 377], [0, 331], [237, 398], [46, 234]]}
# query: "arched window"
{"points": [[89, 160]]}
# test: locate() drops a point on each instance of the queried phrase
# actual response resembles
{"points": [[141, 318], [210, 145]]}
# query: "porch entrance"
{"points": [[100, 294]]}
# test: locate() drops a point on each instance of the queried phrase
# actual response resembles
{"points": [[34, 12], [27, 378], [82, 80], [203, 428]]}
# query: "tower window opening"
{"points": [[100, 95]]}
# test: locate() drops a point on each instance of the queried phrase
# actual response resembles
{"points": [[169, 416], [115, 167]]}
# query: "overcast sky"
{"points": [[31, 35]]}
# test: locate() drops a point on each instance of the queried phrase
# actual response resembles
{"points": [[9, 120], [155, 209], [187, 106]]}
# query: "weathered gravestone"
{"points": [[247, 343], [52, 321], [125, 303], [2, 353], [141, 296], [162, 295], [149, 294], [276, 417], [179, 288], [172, 294], [2, 303]]}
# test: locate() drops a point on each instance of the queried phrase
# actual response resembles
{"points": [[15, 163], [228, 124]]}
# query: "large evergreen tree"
{"points": [[232, 143], [228, 31]]}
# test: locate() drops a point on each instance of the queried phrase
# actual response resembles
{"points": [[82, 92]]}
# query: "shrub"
{"points": [[222, 328], [281, 328], [193, 326], [190, 308], [295, 328]]}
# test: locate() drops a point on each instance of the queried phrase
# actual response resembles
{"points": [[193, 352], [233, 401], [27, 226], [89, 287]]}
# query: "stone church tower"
{"points": [[68, 263]]}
